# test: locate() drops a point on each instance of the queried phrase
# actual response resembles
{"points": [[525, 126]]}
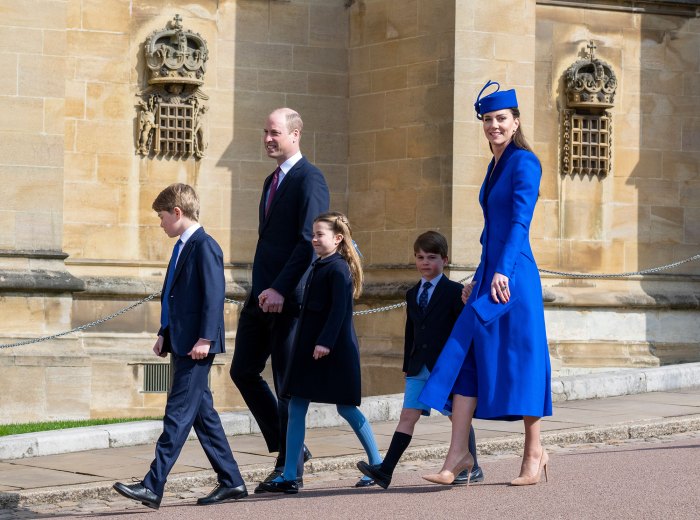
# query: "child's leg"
{"points": [[401, 439], [362, 429], [295, 435]]}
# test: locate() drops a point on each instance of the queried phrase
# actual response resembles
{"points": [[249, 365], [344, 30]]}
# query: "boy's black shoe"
{"points": [[477, 476], [363, 482], [138, 492], [375, 472], [288, 487]]}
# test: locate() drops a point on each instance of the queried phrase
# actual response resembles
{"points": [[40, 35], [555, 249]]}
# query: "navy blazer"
{"points": [[284, 251], [196, 299], [427, 332]]}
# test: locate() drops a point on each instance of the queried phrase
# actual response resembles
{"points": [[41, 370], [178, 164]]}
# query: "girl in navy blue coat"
{"points": [[324, 365]]}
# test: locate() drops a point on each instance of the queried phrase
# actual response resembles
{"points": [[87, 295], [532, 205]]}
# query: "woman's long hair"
{"points": [[340, 226]]}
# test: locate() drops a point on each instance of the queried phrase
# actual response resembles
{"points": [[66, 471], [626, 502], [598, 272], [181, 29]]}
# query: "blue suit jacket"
{"points": [[284, 252], [196, 299]]}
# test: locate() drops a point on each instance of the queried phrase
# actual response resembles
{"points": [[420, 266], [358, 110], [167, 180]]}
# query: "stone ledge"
{"points": [[39, 280]]}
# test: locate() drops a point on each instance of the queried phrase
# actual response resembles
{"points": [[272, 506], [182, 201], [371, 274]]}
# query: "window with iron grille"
{"points": [[175, 129]]}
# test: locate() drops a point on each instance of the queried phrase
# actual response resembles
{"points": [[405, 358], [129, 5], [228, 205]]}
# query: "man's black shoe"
{"points": [[222, 494], [288, 487], [363, 482], [139, 493], [477, 476], [374, 471], [277, 472], [307, 454]]}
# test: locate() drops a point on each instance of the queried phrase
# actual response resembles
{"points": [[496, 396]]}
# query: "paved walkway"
{"points": [[89, 475]]}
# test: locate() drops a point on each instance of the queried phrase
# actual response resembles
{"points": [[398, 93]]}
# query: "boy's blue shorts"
{"points": [[414, 386]]}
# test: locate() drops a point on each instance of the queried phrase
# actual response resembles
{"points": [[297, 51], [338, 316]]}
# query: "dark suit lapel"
{"points": [[186, 250], [412, 303], [281, 190]]}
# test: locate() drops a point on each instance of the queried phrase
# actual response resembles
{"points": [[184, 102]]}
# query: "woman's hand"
{"points": [[467, 290], [500, 291], [321, 351]]}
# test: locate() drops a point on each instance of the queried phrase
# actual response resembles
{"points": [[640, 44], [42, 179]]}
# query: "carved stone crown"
{"points": [[175, 55], [590, 82]]}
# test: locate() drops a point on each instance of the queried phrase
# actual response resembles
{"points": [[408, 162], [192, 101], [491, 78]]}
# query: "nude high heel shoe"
{"points": [[447, 477], [534, 479]]}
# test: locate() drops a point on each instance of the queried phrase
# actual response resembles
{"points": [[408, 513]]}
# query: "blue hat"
{"points": [[497, 100]]}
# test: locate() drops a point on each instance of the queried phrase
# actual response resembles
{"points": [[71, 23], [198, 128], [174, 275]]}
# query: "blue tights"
{"points": [[296, 430]]}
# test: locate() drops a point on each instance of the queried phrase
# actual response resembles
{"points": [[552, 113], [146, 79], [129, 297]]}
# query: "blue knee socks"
{"points": [[362, 429], [296, 427]]}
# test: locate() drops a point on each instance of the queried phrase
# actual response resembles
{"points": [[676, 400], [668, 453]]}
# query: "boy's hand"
{"points": [[467, 290], [158, 347], [321, 351], [270, 301], [200, 349]]}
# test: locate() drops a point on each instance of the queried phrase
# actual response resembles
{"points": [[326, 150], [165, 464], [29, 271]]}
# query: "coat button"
{"points": [[425, 345], [422, 327]]}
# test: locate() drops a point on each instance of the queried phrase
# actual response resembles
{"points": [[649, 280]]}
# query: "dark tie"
{"points": [[273, 190], [168, 285], [423, 298]]}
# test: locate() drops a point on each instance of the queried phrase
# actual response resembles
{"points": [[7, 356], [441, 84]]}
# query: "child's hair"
{"points": [[181, 196], [431, 242], [340, 226]]}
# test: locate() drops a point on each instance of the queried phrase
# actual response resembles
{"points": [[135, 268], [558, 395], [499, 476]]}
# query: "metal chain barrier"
{"points": [[356, 313]]}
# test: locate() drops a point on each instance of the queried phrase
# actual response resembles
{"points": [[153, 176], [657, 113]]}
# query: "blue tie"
{"points": [[423, 298], [168, 285]]}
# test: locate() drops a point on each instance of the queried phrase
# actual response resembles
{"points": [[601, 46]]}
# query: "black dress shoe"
{"points": [[222, 494], [477, 476], [138, 492], [307, 454], [363, 482], [374, 471], [288, 487], [277, 472]]}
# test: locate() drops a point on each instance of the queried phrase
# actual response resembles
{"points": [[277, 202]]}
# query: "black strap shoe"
{"points": [[365, 482], [288, 487], [374, 471], [138, 492], [277, 472], [477, 476], [307, 454], [222, 494]]}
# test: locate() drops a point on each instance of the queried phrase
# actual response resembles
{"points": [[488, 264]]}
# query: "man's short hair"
{"points": [[181, 196]]}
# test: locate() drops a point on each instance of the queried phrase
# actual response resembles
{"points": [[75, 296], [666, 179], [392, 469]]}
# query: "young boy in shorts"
{"points": [[432, 307]]}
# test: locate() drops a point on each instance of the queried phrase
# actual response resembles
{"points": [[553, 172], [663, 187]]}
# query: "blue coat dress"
{"points": [[511, 355]]}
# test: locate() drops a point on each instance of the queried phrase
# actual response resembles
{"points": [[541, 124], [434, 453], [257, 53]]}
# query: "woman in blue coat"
{"points": [[495, 364]]}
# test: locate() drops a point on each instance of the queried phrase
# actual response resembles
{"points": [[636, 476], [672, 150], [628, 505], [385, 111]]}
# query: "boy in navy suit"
{"points": [[192, 331], [432, 307]]}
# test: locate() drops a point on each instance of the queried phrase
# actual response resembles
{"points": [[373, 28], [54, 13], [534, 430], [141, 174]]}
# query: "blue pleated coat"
{"points": [[509, 340]]}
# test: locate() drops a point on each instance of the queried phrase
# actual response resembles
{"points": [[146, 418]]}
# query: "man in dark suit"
{"points": [[293, 195], [192, 330], [432, 307]]}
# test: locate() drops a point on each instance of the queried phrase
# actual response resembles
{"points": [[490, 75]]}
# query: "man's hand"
{"points": [[200, 349], [467, 290], [321, 351], [158, 347], [270, 301]]}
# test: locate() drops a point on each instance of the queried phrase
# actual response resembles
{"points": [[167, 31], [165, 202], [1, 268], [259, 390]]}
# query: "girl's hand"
{"points": [[467, 290], [500, 291], [321, 351]]}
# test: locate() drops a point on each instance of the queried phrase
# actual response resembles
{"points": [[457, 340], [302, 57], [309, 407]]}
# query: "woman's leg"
{"points": [[532, 452], [360, 425], [462, 413], [296, 426]]}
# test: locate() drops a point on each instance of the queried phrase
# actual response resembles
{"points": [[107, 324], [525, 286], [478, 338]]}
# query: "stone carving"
{"points": [[590, 86], [171, 118]]}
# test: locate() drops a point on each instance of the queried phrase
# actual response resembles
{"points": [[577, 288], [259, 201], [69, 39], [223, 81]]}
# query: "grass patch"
{"points": [[14, 429]]}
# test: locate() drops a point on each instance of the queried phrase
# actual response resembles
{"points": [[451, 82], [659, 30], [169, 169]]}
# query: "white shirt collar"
{"points": [[187, 234], [287, 165], [434, 281]]}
